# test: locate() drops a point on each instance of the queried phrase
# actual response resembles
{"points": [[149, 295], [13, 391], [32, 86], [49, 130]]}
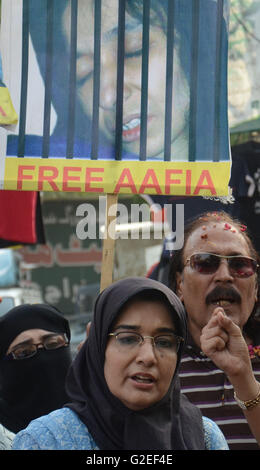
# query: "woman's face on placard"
{"points": [[132, 80]]}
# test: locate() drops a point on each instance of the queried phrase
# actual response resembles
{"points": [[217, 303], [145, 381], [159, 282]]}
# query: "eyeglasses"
{"points": [[25, 351], [128, 341], [208, 263]]}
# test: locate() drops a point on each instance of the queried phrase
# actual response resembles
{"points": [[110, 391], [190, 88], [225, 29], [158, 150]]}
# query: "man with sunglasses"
{"points": [[34, 360], [215, 276]]}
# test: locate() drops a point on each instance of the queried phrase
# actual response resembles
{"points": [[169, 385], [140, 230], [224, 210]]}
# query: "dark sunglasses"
{"points": [[208, 263]]}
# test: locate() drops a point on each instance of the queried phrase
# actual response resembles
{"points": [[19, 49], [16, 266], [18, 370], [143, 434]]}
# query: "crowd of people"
{"points": [[170, 363], [163, 367]]}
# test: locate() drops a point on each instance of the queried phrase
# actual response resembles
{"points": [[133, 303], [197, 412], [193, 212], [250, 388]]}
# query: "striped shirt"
{"points": [[208, 388]]}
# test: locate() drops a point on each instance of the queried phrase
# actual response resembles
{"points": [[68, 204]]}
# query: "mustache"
{"points": [[225, 293]]}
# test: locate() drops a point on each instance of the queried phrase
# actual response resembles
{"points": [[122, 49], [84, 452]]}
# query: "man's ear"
{"points": [[179, 284]]}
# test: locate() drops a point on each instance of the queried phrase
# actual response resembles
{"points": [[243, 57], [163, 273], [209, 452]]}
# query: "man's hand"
{"points": [[222, 340]]}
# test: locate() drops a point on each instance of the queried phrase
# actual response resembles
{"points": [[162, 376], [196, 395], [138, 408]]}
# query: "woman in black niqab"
{"points": [[35, 386], [172, 423]]}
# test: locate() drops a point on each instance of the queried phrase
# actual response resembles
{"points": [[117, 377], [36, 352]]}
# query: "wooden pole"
{"points": [[108, 242]]}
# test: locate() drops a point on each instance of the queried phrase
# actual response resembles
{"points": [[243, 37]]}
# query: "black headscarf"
{"points": [[31, 387], [172, 423]]}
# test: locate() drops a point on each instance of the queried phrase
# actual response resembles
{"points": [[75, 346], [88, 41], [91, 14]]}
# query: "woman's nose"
{"points": [[107, 89], [146, 352], [108, 84]]}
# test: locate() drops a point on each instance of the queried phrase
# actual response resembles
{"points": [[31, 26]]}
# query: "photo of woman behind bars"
{"points": [[132, 79]]}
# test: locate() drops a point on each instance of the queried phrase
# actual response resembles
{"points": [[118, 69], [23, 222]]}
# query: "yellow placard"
{"points": [[90, 176]]}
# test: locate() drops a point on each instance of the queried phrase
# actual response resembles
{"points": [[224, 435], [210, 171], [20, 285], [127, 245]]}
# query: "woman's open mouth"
{"points": [[143, 381], [131, 130]]}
